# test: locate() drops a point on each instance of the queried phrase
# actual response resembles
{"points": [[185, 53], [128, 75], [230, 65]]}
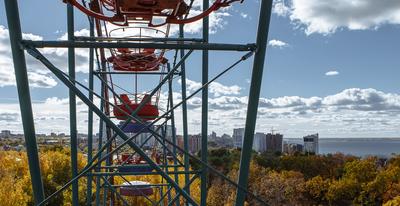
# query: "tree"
{"points": [[361, 170], [342, 192], [316, 189], [277, 188]]}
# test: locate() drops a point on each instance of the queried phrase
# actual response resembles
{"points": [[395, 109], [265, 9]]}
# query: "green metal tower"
{"points": [[124, 154]]}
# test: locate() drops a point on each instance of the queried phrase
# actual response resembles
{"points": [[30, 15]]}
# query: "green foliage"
{"points": [[220, 158]]}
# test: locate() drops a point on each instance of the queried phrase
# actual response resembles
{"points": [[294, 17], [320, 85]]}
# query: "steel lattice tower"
{"points": [[164, 162]]}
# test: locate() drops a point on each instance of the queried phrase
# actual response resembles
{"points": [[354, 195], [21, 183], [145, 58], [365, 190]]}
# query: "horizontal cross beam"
{"points": [[124, 44]]}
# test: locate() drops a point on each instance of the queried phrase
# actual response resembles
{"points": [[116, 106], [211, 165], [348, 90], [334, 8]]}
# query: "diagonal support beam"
{"points": [[252, 107]]}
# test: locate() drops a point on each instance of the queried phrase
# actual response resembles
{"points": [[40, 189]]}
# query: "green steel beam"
{"points": [[100, 151], [171, 101], [255, 87], [184, 112], [72, 106], [21, 76], [204, 110], [184, 187], [165, 160], [108, 185], [178, 45], [90, 116]]}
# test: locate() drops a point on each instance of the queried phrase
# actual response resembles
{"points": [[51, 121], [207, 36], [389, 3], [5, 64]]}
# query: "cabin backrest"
{"points": [[145, 97], [125, 98]]}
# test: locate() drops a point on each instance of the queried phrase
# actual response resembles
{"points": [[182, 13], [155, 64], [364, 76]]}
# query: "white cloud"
{"points": [[37, 78], [326, 17], [277, 43], [38, 75], [41, 80], [244, 15], [280, 8], [215, 88], [351, 112], [332, 73], [364, 100]]}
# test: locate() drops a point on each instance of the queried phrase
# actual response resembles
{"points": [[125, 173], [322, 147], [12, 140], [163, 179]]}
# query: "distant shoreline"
{"points": [[349, 138]]}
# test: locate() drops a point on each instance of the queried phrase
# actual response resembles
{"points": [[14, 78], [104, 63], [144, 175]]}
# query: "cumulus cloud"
{"points": [[277, 43], [355, 99], [280, 8], [50, 115], [349, 112], [7, 117], [215, 88], [332, 73], [326, 17], [364, 100], [38, 75], [355, 112]]}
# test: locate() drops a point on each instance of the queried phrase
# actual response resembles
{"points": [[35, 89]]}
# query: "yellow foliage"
{"points": [[15, 182], [394, 202]]}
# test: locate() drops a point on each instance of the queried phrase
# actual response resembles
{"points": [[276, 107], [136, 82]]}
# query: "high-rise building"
{"points": [[274, 142], [260, 142], [179, 141], [225, 141], [5, 133], [168, 135], [213, 136], [292, 148], [311, 143], [145, 139], [238, 135], [194, 143]]}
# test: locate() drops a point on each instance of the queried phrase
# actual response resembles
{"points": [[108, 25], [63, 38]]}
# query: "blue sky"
{"points": [[330, 68]]}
